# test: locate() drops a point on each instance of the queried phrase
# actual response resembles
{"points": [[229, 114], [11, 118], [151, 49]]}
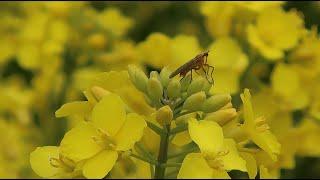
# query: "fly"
{"points": [[198, 62]]}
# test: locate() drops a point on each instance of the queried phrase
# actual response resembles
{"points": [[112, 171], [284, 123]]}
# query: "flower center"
{"points": [[104, 140], [63, 163], [261, 124], [215, 161]]}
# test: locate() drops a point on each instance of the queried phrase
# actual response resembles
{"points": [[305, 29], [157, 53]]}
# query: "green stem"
{"points": [[179, 129], [155, 128], [143, 159], [163, 153], [171, 165]]}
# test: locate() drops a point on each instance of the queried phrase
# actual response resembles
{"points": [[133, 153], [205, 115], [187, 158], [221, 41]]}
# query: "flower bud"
{"points": [[174, 89], [164, 76], [222, 116], [99, 92], [195, 101], [216, 102], [138, 78], [199, 84], [154, 74], [164, 115], [154, 89]]}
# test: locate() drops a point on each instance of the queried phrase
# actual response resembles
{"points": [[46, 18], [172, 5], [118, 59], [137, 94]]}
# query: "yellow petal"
{"points": [[130, 132], [81, 108], [207, 135], [250, 163], [109, 114], [232, 161], [268, 142], [247, 108], [99, 166], [194, 166], [125, 89], [181, 139], [255, 40], [220, 174], [265, 174], [40, 161], [78, 144]]}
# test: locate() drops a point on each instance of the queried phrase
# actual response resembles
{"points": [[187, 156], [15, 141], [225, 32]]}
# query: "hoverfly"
{"points": [[198, 62]]}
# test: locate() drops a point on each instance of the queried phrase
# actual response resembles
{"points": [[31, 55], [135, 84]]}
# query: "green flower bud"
{"points": [[199, 84], [174, 89], [195, 101], [216, 102], [164, 76], [155, 90], [99, 92], [164, 115], [138, 78], [154, 74], [222, 116], [185, 82]]}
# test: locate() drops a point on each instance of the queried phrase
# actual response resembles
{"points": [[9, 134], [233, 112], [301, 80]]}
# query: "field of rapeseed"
{"points": [[88, 90]]}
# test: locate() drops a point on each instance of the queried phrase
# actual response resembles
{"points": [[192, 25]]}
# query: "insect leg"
{"points": [[205, 73], [212, 81]]}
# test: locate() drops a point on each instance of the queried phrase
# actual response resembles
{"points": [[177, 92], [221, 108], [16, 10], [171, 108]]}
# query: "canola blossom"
{"points": [[87, 90]]}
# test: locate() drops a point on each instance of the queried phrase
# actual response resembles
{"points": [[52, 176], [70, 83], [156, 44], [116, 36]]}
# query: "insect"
{"points": [[198, 62]]}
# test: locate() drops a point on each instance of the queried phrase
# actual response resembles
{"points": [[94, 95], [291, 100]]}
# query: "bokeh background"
{"points": [[50, 51]]}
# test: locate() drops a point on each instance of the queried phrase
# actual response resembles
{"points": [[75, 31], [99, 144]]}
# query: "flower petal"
{"points": [[194, 166], [109, 114], [81, 108], [99, 166], [78, 144], [250, 163], [207, 135], [130, 132], [220, 174], [40, 161], [232, 161]]}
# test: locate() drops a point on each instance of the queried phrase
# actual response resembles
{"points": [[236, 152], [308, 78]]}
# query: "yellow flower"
{"points": [[286, 84], [218, 155], [155, 50], [257, 128], [273, 38], [229, 62], [48, 163], [110, 131], [219, 17], [112, 20]]}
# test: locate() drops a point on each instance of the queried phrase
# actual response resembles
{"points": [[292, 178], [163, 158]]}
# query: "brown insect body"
{"points": [[196, 63]]}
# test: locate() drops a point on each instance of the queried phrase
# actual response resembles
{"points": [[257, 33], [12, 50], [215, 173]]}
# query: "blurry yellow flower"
{"points": [[286, 84], [110, 132], [258, 6], [155, 50], [218, 17], [112, 20], [229, 62], [257, 128], [273, 38], [184, 48]]}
